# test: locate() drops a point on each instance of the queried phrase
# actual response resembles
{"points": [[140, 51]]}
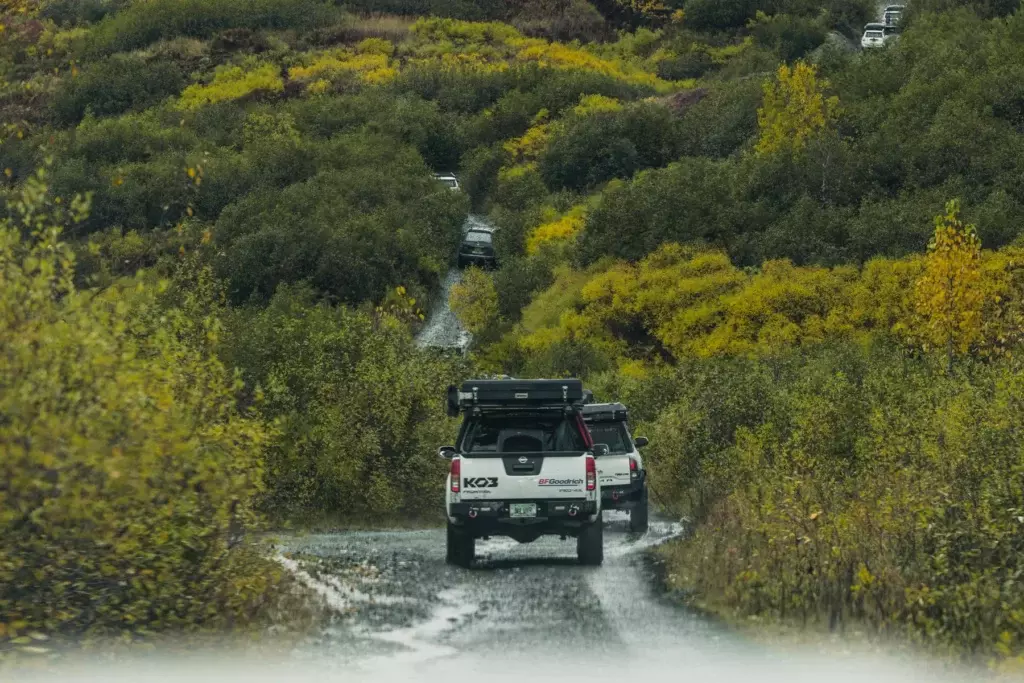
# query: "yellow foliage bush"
{"points": [[464, 33], [562, 229], [232, 83], [376, 46], [128, 470], [531, 145], [558, 56], [590, 104], [795, 109], [461, 62], [695, 304], [371, 67], [475, 301]]}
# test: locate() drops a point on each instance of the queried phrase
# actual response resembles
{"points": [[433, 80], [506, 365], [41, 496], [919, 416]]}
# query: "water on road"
{"points": [[442, 328]]}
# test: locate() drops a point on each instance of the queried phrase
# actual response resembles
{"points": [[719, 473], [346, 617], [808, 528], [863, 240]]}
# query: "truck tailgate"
{"points": [[524, 476], [613, 470]]}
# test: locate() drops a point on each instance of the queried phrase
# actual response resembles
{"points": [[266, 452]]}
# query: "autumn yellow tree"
{"points": [[475, 301], [949, 297], [795, 109]]}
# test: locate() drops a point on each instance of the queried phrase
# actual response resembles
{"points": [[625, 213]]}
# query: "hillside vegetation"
{"points": [[798, 263]]}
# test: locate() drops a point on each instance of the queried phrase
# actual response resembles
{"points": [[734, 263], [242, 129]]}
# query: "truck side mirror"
{"points": [[641, 441], [446, 452], [600, 449]]}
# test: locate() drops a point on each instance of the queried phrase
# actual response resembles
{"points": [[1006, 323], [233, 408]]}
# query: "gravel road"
{"points": [[531, 612]]}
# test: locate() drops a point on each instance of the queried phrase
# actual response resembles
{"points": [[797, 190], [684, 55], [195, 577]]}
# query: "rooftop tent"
{"points": [[514, 393]]}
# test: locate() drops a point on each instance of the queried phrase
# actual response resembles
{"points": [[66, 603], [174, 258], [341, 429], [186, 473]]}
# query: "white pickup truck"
{"points": [[523, 466]]}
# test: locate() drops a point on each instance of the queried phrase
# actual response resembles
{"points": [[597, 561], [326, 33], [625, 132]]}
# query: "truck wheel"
{"points": [[638, 515], [590, 543], [460, 263], [461, 547]]}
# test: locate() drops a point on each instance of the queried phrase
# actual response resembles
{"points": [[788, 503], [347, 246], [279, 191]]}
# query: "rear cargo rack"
{"points": [[605, 412]]}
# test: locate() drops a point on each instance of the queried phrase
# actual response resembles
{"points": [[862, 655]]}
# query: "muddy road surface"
{"points": [[531, 613], [402, 603], [522, 614]]}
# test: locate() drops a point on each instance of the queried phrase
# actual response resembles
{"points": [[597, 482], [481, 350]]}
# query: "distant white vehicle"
{"points": [[450, 181], [893, 14], [874, 36]]}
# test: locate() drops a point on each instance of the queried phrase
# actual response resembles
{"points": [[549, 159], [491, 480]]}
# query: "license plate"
{"points": [[522, 510]]}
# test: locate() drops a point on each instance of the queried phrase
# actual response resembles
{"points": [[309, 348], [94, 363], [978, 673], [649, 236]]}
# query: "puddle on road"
{"points": [[421, 642]]}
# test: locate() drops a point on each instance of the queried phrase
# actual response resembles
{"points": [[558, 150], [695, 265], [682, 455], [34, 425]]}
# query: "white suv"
{"points": [[621, 471], [449, 181], [874, 36]]}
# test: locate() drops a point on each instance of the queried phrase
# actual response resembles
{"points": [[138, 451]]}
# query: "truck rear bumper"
{"points": [[622, 497], [554, 517]]}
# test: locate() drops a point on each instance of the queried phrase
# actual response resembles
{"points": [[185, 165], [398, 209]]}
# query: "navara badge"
{"points": [[523, 460]]}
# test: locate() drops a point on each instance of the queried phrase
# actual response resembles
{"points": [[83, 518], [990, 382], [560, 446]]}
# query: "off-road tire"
{"points": [[460, 263], [638, 515], [460, 546], [590, 544]]}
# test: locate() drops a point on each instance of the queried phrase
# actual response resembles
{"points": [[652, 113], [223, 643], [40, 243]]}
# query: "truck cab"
{"points": [[523, 466], [620, 470]]}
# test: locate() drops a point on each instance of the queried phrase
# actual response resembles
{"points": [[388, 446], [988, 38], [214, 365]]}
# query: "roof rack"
{"points": [[479, 394], [605, 412]]}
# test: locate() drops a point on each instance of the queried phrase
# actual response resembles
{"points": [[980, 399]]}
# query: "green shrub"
{"points": [[719, 15], [597, 147], [468, 10], [115, 85], [135, 138], [519, 188], [863, 487], [723, 122], [74, 12], [790, 37], [479, 172], [361, 409], [142, 24], [369, 218], [692, 64], [562, 20], [678, 203], [129, 471]]}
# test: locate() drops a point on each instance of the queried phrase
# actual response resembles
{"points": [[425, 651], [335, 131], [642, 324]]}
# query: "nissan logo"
{"points": [[523, 460]]}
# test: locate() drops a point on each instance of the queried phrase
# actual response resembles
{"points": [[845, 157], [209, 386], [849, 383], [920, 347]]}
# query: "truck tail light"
{"points": [[634, 471], [591, 473], [456, 474]]}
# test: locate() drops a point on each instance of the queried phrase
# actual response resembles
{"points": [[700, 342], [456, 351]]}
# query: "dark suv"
{"points": [[477, 248]]}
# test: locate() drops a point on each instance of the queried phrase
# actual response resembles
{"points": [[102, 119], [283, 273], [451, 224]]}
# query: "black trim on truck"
{"points": [[564, 517], [622, 497], [560, 508]]}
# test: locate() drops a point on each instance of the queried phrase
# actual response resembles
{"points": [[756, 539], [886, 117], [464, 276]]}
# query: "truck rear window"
{"points": [[522, 434], [478, 237], [613, 434]]}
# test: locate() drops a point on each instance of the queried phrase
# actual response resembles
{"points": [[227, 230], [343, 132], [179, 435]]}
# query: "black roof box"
{"points": [[605, 412], [511, 393]]}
